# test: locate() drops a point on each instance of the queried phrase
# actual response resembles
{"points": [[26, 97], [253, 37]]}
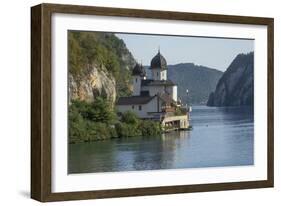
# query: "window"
{"points": [[136, 79], [133, 106], [157, 74], [139, 107]]}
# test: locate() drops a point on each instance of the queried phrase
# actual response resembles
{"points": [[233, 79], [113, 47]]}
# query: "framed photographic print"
{"points": [[130, 102]]}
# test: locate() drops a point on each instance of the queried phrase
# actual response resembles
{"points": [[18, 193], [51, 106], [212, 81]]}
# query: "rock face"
{"points": [[236, 86], [94, 82], [99, 66]]}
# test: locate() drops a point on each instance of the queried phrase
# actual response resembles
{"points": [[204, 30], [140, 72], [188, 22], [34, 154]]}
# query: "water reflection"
{"points": [[220, 137]]}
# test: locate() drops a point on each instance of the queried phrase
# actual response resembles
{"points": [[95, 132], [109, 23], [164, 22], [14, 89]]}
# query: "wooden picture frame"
{"points": [[41, 96]]}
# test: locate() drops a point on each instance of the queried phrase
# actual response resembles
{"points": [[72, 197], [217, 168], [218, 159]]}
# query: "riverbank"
{"points": [[124, 132], [89, 122]]}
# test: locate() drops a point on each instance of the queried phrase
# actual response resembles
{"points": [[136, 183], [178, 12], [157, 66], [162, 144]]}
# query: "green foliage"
{"points": [[77, 126], [91, 121], [126, 130], [98, 131], [76, 59], [98, 111], [128, 126], [97, 121], [131, 125], [130, 117], [150, 128]]}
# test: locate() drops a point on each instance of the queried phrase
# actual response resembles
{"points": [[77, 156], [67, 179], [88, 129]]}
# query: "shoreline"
{"points": [[113, 138]]}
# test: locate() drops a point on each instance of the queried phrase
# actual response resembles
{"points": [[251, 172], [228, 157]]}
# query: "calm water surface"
{"points": [[220, 137]]}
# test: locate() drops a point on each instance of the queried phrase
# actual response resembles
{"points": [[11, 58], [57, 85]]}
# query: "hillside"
{"points": [[99, 65], [199, 81], [236, 86]]}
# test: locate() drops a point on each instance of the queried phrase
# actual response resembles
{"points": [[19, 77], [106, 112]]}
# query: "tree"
{"points": [[76, 59]]}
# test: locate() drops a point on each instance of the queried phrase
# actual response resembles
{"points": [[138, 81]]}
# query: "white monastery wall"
{"points": [[143, 112]]}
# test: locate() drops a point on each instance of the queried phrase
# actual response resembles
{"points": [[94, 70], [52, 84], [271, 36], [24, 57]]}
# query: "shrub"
{"points": [[127, 130], [130, 117], [91, 121], [77, 126], [101, 130], [150, 128]]}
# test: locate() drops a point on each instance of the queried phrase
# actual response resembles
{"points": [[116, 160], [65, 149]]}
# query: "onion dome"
{"points": [[138, 70], [158, 62]]}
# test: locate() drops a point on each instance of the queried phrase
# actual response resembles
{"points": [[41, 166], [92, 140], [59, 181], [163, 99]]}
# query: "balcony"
{"points": [[168, 109]]}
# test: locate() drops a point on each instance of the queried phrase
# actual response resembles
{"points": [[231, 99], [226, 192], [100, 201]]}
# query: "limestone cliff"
{"points": [[236, 86], [93, 83]]}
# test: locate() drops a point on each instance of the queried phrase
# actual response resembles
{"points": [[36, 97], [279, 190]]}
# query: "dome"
{"points": [[158, 61], [138, 70]]}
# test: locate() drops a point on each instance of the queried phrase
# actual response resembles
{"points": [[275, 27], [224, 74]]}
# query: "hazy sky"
{"points": [[216, 53]]}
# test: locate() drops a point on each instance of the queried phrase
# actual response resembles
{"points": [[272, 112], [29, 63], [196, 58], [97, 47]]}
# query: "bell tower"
{"points": [[138, 75], [158, 66]]}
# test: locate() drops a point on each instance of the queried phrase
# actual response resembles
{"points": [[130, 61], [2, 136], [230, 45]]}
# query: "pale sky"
{"points": [[215, 53]]}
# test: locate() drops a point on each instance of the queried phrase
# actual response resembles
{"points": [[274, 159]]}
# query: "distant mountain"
{"points": [[199, 81], [236, 86]]}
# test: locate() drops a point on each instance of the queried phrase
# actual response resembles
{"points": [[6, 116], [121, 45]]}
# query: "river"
{"points": [[220, 137]]}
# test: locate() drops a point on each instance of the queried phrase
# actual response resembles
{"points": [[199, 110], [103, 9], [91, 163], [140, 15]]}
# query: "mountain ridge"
{"points": [[198, 79]]}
